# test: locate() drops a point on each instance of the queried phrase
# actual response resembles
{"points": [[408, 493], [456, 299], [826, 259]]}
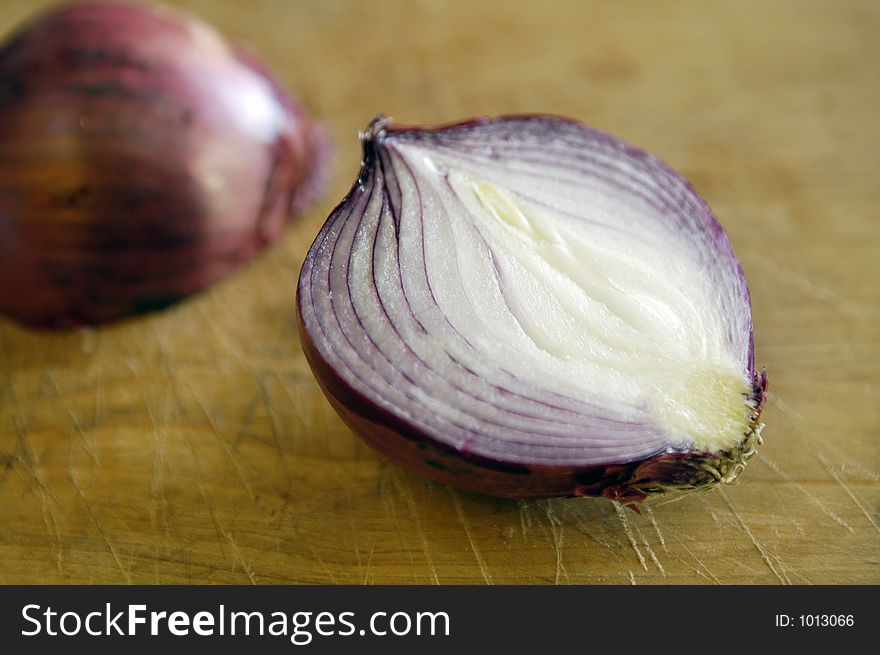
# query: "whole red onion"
{"points": [[142, 157]]}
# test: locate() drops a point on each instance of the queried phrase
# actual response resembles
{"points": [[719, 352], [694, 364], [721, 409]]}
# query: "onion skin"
{"points": [[627, 481], [144, 158]]}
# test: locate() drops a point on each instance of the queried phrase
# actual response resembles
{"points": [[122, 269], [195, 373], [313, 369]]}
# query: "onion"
{"points": [[143, 157], [528, 307]]}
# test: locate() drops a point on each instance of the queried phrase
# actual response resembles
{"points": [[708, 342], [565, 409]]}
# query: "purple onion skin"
{"points": [[143, 159], [626, 482]]}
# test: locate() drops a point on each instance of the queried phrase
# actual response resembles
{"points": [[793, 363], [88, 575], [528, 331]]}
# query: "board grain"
{"points": [[193, 445]]}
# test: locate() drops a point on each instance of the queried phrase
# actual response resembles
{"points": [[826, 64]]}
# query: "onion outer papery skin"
{"points": [[144, 158], [385, 390]]}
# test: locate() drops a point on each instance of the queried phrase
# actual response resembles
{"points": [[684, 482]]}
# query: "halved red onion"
{"points": [[529, 307]]}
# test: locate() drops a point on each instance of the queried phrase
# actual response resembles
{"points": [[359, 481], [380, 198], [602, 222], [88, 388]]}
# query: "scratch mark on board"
{"points": [[612, 530], [812, 498], [711, 511], [248, 416], [58, 397], [51, 522], [218, 529], [409, 500], [796, 420], [48, 500], [160, 515], [618, 508], [582, 525], [274, 421], [525, 518], [456, 502], [650, 551], [557, 528], [708, 572], [349, 505], [784, 567], [225, 444], [222, 336], [321, 561], [386, 485], [100, 528], [96, 411], [237, 553], [848, 491], [649, 512], [817, 291], [761, 550], [368, 576]]}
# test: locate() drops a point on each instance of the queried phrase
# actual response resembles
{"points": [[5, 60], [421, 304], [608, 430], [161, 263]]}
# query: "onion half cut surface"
{"points": [[528, 307]]}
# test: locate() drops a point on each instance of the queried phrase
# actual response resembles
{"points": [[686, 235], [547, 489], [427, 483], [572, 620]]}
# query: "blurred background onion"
{"points": [[143, 158]]}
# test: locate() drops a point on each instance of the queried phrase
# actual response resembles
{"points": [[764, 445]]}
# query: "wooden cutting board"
{"points": [[193, 445]]}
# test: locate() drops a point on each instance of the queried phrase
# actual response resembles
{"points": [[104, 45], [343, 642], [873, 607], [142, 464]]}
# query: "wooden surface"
{"points": [[194, 446]]}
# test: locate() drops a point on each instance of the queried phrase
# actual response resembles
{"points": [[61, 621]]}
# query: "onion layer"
{"points": [[528, 307], [144, 157]]}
